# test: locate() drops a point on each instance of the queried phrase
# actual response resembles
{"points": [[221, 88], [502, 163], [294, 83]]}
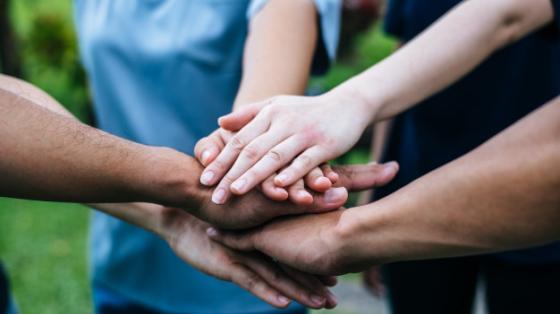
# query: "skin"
{"points": [[442, 214], [298, 133], [63, 160], [49, 155], [277, 60]]}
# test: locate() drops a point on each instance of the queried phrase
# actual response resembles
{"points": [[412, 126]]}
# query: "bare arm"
{"points": [[47, 154], [277, 61], [279, 50], [445, 52], [307, 131], [502, 195]]}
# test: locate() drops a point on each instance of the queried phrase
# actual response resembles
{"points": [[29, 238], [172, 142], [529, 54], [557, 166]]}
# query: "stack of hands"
{"points": [[268, 215]]}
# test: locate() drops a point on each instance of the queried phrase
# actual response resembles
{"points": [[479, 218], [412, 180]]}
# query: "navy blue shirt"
{"points": [[508, 86]]}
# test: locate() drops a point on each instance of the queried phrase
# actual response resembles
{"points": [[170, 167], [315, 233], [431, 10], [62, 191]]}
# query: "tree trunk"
{"points": [[10, 61]]}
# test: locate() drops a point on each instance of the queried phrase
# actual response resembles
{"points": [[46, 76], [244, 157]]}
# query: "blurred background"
{"points": [[44, 245]]}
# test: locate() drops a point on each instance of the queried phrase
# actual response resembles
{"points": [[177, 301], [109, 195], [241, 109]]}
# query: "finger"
{"points": [[208, 148], [332, 199], [252, 282], [272, 191], [317, 181], [329, 173], [329, 281], [277, 157], [288, 283], [217, 169], [239, 118], [298, 195], [361, 177], [241, 241], [308, 160], [313, 283], [250, 155]]}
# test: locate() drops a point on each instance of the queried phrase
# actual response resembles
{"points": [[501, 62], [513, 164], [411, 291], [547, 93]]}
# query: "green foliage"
{"points": [[50, 54], [44, 244], [370, 48]]}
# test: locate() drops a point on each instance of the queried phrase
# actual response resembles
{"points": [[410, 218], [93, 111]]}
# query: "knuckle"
{"points": [[277, 275], [237, 143], [304, 161], [251, 153], [275, 155], [219, 165], [250, 282]]}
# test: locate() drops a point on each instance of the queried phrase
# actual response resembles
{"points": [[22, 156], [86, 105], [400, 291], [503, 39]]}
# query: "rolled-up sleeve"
{"points": [[329, 21]]}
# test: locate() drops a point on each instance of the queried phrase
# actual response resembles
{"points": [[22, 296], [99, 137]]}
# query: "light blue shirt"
{"points": [[161, 73]]}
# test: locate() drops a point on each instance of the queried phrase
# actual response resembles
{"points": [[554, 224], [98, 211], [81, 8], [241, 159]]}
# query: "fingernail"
{"points": [[212, 232], [205, 156], [317, 300], [390, 168], [282, 299], [281, 178], [332, 299], [219, 196], [220, 119], [239, 185], [207, 177], [334, 195]]}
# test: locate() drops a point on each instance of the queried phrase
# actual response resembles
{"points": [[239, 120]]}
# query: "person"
{"points": [[465, 207], [426, 67], [161, 73], [49, 155], [443, 128]]}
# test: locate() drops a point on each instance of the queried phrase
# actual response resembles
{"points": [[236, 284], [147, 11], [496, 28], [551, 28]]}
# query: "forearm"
{"points": [[47, 154], [502, 195], [444, 53], [279, 50]]}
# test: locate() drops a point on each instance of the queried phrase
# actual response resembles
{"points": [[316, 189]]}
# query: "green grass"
{"points": [[43, 246]]}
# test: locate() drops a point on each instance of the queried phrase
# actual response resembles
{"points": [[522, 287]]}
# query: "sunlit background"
{"points": [[44, 245]]}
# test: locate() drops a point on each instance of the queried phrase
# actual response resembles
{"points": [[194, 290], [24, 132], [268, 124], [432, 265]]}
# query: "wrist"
{"points": [[171, 222], [172, 178], [356, 98], [364, 227]]}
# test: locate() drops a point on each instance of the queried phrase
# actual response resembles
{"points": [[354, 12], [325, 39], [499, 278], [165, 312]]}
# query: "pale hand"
{"points": [[254, 209], [319, 179], [298, 133]]}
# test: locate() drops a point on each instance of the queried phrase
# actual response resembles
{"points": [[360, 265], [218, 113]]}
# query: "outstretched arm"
{"points": [[299, 133], [502, 195], [278, 55], [48, 154]]}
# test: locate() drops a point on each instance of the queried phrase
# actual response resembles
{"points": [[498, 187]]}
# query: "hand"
{"points": [[307, 130], [373, 281], [311, 243], [272, 282], [254, 209], [320, 179], [254, 272]]}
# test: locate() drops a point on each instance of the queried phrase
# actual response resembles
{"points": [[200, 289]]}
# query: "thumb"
{"points": [[236, 120], [368, 176]]}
